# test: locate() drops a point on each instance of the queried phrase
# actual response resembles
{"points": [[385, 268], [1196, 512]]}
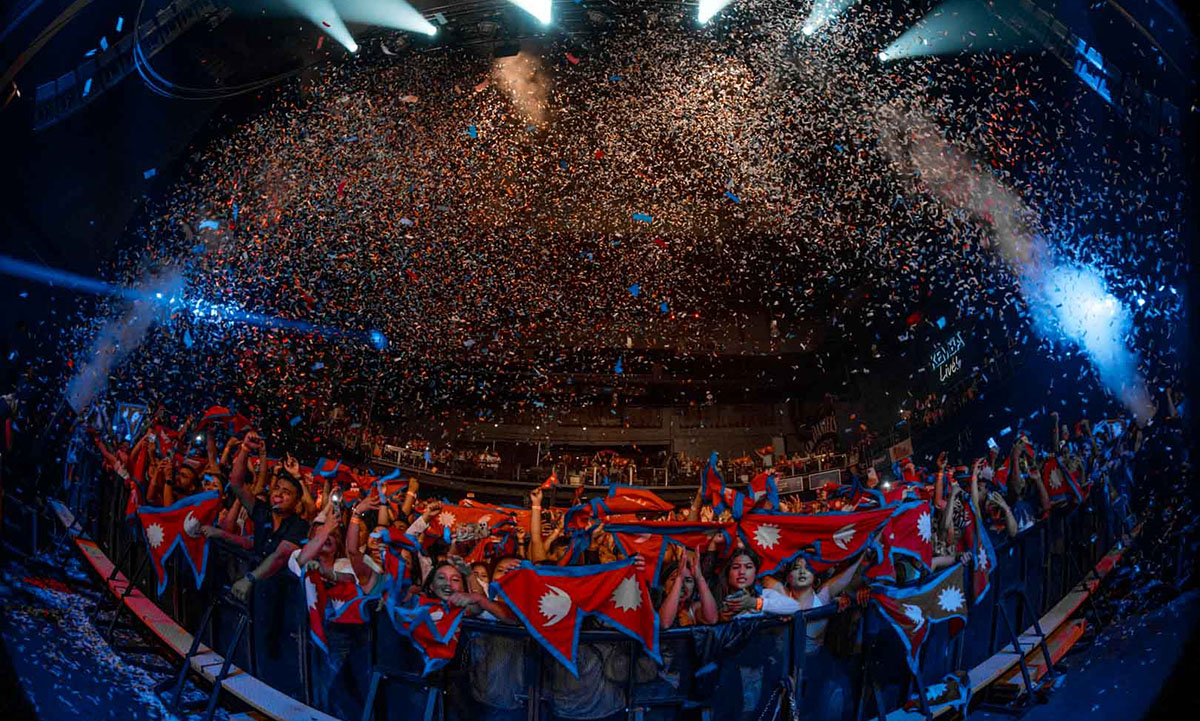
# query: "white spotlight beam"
{"points": [[540, 9], [823, 12], [396, 14], [709, 8], [322, 14]]}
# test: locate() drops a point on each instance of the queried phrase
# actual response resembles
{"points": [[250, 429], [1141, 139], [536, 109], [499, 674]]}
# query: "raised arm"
{"points": [[840, 580], [537, 547], [237, 477]]}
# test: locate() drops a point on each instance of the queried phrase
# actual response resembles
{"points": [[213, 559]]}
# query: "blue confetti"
{"points": [[635, 290], [209, 224], [150, 173], [120, 23], [642, 217], [318, 366], [104, 43], [732, 197], [1005, 431], [839, 148], [235, 211], [87, 87], [295, 421], [472, 131], [619, 368], [90, 53], [664, 307], [614, 78], [24, 294], [941, 322], [187, 339]]}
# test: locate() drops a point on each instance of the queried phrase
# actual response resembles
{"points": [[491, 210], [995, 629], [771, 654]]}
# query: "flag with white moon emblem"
{"points": [[552, 602], [178, 525]]}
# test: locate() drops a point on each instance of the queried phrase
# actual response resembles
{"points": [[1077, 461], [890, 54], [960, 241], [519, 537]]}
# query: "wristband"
{"points": [[758, 604], [535, 508], [250, 577]]}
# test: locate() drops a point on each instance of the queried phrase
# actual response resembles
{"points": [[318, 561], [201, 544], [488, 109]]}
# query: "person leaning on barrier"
{"points": [[799, 584], [278, 530], [741, 593]]}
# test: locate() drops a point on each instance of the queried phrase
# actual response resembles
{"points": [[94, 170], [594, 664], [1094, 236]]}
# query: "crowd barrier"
{"points": [[741, 670]]}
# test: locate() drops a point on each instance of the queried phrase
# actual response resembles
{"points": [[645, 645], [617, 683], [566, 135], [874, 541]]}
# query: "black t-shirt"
{"points": [[267, 538]]}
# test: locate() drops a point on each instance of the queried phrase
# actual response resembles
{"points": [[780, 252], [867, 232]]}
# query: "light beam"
{"points": [[540, 9], [709, 8], [395, 14]]}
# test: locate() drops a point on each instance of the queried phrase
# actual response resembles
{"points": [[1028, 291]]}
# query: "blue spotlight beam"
{"points": [[62, 279], [958, 26]]}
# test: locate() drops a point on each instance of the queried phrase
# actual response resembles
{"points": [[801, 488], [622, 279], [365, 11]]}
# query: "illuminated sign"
{"points": [[945, 359], [1089, 66]]}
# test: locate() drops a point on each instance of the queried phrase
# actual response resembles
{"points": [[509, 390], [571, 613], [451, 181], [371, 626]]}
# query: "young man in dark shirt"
{"points": [[278, 530]]}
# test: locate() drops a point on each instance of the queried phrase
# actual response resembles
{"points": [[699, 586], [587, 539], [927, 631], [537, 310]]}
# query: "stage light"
{"points": [[808, 29], [883, 57], [540, 9], [708, 8]]}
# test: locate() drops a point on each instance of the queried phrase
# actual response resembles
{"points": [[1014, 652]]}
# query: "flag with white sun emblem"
{"points": [[178, 525], [912, 610], [465, 523], [952, 693], [825, 539], [910, 533], [432, 627], [651, 538], [552, 602]]}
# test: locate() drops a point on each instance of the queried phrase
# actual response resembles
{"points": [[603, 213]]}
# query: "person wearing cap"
{"points": [[278, 530]]}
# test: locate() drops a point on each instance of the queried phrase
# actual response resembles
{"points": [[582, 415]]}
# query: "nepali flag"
{"points": [[651, 538], [235, 422], [909, 532], [178, 525], [632, 499], [165, 440], [341, 602], [764, 486], [825, 539], [1060, 484], [466, 523], [912, 610], [315, 598], [952, 693], [432, 627], [721, 497], [552, 602], [983, 555]]}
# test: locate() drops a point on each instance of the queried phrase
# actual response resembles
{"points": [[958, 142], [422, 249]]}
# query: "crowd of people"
{"points": [[623, 189], [296, 519], [436, 230]]}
